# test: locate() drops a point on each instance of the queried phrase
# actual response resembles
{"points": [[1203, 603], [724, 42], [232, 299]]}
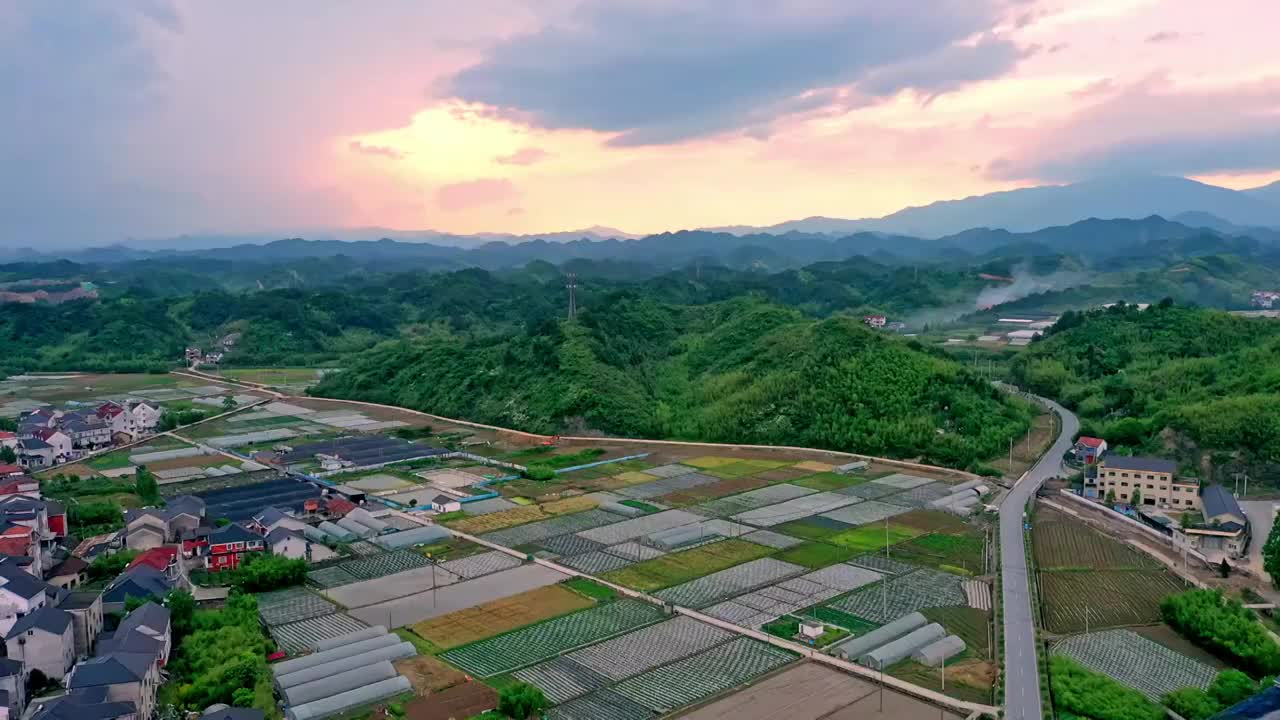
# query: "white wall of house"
{"points": [[51, 654], [294, 548], [14, 606]]}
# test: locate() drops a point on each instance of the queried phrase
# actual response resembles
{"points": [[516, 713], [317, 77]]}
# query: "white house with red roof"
{"points": [[1090, 449]]}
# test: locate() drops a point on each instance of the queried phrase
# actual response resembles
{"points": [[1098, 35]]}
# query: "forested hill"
{"points": [[1168, 379], [738, 371]]}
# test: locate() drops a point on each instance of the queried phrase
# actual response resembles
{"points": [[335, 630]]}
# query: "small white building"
{"points": [[445, 504], [811, 630], [288, 543]]}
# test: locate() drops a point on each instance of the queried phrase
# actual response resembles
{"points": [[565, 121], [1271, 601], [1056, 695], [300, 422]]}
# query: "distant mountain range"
{"points": [[1093, 241], [1123, 214], [1031, 208]]}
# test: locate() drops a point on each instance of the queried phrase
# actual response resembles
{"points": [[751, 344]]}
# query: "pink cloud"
{"points": [[474, 193], [524, 156], [359, 147]]}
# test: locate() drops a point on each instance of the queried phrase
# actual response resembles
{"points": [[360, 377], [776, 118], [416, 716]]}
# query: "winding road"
{"points": [[1021, 666]]}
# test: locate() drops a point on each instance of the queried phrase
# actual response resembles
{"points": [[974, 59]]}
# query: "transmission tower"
{"points": [[572, 285]]}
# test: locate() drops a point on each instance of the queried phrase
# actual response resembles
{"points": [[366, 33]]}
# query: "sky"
{"points": [[159, 118]]}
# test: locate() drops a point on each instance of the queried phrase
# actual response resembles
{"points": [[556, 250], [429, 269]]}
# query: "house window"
{"points": [[1150, 486], [1124, 496], [1124, 484]]}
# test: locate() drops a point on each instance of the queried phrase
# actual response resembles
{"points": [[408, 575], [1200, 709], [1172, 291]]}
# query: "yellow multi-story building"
{"points": [[1153, 478]]}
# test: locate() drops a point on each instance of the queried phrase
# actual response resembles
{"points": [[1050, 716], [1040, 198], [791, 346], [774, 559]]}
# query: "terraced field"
{"points": [[535, 643]]}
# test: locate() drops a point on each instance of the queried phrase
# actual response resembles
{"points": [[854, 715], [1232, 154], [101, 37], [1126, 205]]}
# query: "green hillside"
{"points": [[739, 371]]}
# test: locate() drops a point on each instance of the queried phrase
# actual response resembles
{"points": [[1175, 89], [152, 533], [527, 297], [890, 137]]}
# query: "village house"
{"points": [[1089, 450], [145, 417], [13, 687], [86, 430], [151, 527], [445, 504], [46, 521], [86, 620], [43, 640], [22, 593], [273, 518], [60, 441], [84, 704], [163, 559], [1152, 478], [228, 546], [288, 543], [8, 440], [34, 453], [1220, 530], [149, 621], [874, 321], [124, 677], [16, 483], [71, 573], [141, 581]]}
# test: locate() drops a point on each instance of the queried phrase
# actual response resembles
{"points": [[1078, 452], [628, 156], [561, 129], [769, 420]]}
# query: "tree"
{"points": [[146, 486], [1224, 568], [1192, 703], [1231, 686], [1136, 501], [1111, 497], [108, 566], [261, 572], [182, 612], [521, 701], [133, 602], [1186, 520], [229, 403], [7, 455]]}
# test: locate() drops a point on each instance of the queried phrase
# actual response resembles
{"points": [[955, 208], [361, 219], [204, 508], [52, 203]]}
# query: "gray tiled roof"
{"points": [[1217, 501], [147, 615], [1141, 464], [50, 620]]}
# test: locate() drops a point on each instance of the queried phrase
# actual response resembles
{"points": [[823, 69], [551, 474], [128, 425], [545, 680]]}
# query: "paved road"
{"points": [[1021, 671]]}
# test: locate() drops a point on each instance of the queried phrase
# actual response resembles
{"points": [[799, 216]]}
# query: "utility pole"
{"points": [[1010, 454], [571, 283]]}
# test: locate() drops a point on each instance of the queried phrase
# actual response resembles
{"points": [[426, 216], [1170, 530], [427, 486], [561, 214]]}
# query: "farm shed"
{"points": [[352, 637], [355, 528], [389, 653], [854, 647], [416, 536], [320, 658], [620, 509], [366, 518], [899, 649], [342, 702], [967, 485], [338, 683], [680, 537], [856, 466], [336, 531], [315, 534], [939, 651]]}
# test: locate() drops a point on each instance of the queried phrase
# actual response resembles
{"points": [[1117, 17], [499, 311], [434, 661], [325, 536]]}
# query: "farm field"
{"points": [[1113, 598], [494, 618], [1131, 659], [904, 594], [686, 565], [411, 600], [1082, 570], [962, 554], [816, 555], [808, 691], [532, 644], [1061, 543], [869, 538]]}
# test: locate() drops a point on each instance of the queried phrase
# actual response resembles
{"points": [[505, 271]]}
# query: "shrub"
{"points": [[1225, 628], [1087, 694], [540, 472], [521, 701]]}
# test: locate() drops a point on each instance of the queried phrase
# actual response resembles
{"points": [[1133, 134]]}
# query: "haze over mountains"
{"points": [[1044, 219]]}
